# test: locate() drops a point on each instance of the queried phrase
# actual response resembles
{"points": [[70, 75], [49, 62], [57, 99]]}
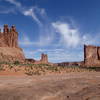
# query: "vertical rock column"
{"points": [[44, 58], [13, 37], [5, 34]]}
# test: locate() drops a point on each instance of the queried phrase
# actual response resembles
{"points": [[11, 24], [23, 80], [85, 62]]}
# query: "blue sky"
{"points": [[59, 28]]}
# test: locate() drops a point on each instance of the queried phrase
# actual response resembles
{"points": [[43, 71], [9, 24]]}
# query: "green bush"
{"points": [[1, 68], [16, 62]]}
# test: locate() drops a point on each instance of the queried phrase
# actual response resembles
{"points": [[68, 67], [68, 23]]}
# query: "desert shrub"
{"points": [[93, 68], [4, 62], [16, 62], [36, 72], [43, 65], [51, 68], [56, 69], [1, 68], [31, 72], [11, 66], [28, 65]]}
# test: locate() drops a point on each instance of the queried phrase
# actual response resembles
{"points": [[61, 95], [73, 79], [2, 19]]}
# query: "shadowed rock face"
{"points": [[9, 49], [92, 55]]}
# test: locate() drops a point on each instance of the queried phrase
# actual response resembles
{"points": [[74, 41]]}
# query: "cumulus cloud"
{"points": [[70, 36]]}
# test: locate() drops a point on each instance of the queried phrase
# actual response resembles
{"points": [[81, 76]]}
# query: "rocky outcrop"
{"points": [[9, 37], [9, 49], [91, 56], [44, 58], [30, 61], [11, 54], [70, 63]]}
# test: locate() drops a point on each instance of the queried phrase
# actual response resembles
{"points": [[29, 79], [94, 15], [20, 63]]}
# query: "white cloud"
{"points": [[58, 55], [25, 41], [65, 56], [38, 15], [6, 11], [93, 39], [69, 36], [31, 12], [18, 4], [44, 26]]}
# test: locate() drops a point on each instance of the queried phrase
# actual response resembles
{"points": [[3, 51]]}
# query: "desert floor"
{"points": [[71, 86]]}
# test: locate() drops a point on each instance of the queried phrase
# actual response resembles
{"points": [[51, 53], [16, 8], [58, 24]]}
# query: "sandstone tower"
{"points": [[91, 56], [44, 58], [9, 37], [9, 48]]}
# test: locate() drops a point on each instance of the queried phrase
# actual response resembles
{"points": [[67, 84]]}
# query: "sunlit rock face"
{"points": [[91, 55], [9, 48], [44, 58]]}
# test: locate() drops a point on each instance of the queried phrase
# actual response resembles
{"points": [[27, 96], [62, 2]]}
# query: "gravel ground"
{"points": [[71, 86]]}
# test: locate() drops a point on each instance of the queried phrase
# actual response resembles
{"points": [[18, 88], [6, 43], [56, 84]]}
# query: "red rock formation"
{"points": [[10, 36], [9, 49], [30, 61], [70, 64], [91, 55], [44, 58], [91, 58]]}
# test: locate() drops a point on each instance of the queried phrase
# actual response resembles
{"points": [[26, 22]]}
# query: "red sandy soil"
{"points": [[17, 70], [71, 86]]}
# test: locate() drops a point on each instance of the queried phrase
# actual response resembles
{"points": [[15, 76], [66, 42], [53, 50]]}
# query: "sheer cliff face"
{"points": [[9, 49], [92, 55]]}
